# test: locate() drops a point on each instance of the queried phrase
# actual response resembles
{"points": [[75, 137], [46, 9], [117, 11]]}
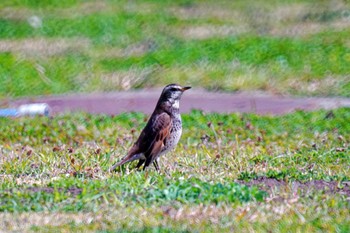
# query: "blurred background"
{"points": [[51, 47]]}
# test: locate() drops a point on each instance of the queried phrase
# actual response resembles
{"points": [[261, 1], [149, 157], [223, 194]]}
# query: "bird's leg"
{"points": [[148, 162], [156, 165], [141, 161]]}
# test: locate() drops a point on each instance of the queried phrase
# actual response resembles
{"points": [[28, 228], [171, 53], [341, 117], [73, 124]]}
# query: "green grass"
{"points": [[74, 194], [55, 170], [235, 46]]}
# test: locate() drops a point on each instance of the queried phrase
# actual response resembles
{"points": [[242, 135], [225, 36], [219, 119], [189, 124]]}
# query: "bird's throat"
{"points": [[176, 104]]}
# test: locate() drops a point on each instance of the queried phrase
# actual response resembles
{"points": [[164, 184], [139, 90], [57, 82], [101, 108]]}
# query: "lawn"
{"points": [[230, 172], [285, 47]]}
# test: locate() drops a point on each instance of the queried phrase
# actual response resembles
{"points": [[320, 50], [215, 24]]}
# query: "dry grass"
{"points": [[211, 31], [254, 218], [281, 20], [12, 13], [43, 46], [125, 80]]}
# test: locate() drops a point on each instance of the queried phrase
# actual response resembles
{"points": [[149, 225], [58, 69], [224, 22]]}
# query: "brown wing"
{"points": [[163, 125], [151, 139]]}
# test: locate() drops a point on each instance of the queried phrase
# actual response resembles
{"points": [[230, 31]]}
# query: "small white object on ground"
{"points": [[34, 109], [26, 110]]}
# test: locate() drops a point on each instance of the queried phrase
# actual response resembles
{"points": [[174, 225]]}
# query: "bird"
{"points": [[162, 131]]}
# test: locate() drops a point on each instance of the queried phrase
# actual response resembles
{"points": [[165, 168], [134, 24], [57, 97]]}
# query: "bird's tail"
{"points": [[125, 160]]}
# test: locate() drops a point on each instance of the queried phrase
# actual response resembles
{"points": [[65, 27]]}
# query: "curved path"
{"points": [[145, 100]]}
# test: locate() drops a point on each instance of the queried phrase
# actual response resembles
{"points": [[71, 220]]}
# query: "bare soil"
{"points": [[300, 188]]}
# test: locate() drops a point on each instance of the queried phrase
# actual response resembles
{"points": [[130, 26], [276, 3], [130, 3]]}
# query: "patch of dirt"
{"points": [[285, 20], [85, 8], [329, 187], [203, 12], [309, 28], [289, 12], [208, 31], [27, 221], [43, 47], [14, 13]]}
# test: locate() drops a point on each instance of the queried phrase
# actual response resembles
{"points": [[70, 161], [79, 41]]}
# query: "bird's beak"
{"points": [[186, 88]]}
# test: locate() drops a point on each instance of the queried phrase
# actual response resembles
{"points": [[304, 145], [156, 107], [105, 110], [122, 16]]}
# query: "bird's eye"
{"points": [[173, 89]]}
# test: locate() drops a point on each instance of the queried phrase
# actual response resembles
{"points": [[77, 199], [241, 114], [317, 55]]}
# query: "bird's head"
{"points": [[172, 93]]}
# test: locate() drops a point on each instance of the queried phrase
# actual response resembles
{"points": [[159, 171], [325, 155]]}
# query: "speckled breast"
{"points": [[174, 137]]}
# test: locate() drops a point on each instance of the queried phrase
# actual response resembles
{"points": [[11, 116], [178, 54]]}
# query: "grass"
{"points": [[55, 170], [69, 46], [230, 172], [74, 195]]}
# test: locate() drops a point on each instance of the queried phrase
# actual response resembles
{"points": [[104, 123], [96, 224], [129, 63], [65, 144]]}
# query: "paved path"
{"points": [[145, 100]]}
